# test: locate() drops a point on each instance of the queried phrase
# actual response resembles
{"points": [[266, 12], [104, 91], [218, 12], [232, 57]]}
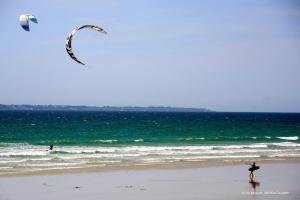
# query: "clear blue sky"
{"points": [[222, 55]]}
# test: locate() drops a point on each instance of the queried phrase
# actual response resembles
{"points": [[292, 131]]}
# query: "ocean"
{"points": [[104, 139]]}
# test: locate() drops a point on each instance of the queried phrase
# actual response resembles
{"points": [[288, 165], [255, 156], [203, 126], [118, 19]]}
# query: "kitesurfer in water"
{"points": [[51, 147]]}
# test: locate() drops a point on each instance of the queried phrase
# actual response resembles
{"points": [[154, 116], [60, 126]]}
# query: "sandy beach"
{"points": [[272, 181]]}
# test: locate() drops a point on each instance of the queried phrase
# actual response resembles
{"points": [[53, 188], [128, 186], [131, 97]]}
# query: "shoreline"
{"points": [[207, 182], [163, 166]]}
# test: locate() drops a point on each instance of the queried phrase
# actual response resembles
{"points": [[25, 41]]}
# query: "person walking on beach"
{"points": [[252, 169]]}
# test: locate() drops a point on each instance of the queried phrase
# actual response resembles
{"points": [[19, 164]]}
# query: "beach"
{"points": [[276, 180]]}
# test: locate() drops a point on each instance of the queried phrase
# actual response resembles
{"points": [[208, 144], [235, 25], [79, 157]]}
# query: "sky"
{"points": [[240, 56]]}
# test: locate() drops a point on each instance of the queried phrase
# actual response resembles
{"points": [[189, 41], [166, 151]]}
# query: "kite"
{"points": [[24, 21], [69, 39]]}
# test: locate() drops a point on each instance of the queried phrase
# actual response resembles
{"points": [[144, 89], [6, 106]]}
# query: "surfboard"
{"points": [[253, 168]]}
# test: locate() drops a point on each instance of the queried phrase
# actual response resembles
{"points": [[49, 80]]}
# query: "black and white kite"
{"points": [[69, 39]]}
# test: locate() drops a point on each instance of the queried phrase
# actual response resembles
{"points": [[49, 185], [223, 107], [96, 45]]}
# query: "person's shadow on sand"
{"points": [[254, 184]]}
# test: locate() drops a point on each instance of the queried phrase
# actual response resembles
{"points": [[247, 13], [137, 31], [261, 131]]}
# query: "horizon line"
{"points": [[161, 106]]}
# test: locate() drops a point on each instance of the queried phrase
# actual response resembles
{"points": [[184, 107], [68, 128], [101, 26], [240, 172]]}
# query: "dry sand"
{"points": [[274, 181]]}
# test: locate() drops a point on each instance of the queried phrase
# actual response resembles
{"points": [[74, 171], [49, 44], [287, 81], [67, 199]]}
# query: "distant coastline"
{"points": [[102, 108]]}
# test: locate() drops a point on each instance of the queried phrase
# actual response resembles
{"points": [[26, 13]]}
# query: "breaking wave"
{"points": [[289, 138], [14, 157]]}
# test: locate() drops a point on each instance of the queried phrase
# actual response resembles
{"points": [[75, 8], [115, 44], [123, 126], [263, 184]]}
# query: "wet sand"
{"points": [[273, 181]]}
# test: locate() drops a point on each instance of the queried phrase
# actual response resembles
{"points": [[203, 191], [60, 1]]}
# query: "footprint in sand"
{"points": [[46, 184]]}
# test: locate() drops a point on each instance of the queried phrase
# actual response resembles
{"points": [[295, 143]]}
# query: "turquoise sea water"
{"points": [[124, 138]]}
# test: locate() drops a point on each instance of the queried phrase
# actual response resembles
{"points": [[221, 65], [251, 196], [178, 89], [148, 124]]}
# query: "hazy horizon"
{"points": [[235, 56], [158, 106]]}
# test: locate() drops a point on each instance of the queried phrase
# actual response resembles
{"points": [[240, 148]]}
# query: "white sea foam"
{"points": [[286, 155], [107, 141], [12, 161], [54, 164], [5, 167], [138, 140], [285, 144], [194, 158], [39, 159], [110, 161], [24, 153], [289, 138], [35, 157], [260, 145], [61, 167]]}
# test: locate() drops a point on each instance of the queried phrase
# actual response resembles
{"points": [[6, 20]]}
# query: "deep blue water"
{"points": [[89, 128]]}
